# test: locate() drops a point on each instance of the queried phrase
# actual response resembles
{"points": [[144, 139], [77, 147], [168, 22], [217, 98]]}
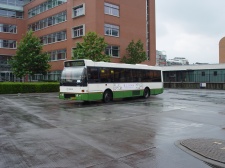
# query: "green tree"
{"points": [[134, 53], [29, 58], [91, 48]]}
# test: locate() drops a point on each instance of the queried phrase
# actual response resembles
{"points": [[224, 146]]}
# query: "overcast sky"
{"points": [[190, 29]]}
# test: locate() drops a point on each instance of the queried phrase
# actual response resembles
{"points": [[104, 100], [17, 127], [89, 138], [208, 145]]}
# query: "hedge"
{"points": [[28, 87]]}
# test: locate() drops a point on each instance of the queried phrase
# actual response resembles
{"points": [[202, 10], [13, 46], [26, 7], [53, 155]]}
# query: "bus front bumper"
{"points": [[70, 96]]}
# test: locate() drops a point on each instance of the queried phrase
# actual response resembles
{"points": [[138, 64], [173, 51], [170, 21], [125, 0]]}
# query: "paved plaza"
{"points": [[177, 129]]}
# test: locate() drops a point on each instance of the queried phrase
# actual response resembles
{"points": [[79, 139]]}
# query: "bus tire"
{"points": [[107, 96], [146, 93]]}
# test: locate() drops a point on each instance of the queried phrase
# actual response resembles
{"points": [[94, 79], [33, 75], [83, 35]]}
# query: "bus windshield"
{"points": [[73, 76]]}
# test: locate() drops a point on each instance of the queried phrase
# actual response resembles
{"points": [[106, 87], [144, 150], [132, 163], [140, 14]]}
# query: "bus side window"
{"points": [[117, 75], [128, 75], [122, 75], [93, 75], [140, 75], [111, 74], [105, 75], [151, 76], [137, 75], [144, 78], [134, 75], [147, 76], [157, 76]]}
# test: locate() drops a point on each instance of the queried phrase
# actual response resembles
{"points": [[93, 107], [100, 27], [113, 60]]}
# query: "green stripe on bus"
{"points": [[118, 94], [156, 91]]}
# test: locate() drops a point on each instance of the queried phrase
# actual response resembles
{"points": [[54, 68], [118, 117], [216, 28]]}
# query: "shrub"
{"points": [[18, 87]]}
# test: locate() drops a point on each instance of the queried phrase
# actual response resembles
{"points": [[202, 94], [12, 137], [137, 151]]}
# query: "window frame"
{"points": [[79, 34], [54, 37], [5, 28], [55, 54], [81, 6], [49, 21], [111, 28], [111, 49], [11, 13], [109, 9], [8, 43], [13, 3], [49, 4]]}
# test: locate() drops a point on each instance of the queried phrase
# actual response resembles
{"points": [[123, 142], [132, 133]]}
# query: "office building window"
{"points": [[12, 2], [112, 51], [8, 44], [78, 31], [5, 28], [112, 30], [10, 13], [52, 20], [57, 55], [54, 37], [44, 7], [111, 9], [78, 10], [4, 64]]}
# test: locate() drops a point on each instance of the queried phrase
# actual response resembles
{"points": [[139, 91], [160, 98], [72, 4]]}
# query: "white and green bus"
{"points": [[91, 81]]}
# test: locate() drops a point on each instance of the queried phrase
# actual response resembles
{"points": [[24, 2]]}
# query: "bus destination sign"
{"points": [[74, 63]]}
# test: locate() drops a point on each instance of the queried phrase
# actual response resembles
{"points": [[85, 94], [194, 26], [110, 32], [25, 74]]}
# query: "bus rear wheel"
{"points": [[146, 93], [107, 96]]}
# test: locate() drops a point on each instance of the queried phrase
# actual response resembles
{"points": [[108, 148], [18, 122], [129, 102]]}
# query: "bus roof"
{"points": [[117, 65]]}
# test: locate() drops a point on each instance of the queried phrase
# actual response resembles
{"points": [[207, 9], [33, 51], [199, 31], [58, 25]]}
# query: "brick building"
{"points": [[61, 23], [222, 50]]}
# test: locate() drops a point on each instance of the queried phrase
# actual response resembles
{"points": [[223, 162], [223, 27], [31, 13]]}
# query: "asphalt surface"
{"points": [[177, 129]]}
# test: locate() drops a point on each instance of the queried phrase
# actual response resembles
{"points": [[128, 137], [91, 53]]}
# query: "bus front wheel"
{"points": [[146, 93], [107, 96]]}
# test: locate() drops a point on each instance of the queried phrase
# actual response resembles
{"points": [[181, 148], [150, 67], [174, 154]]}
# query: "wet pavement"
{"points": [[41, 131]]}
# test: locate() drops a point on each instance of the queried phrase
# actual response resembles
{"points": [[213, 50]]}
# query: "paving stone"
{"points": [[210, 148]]}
